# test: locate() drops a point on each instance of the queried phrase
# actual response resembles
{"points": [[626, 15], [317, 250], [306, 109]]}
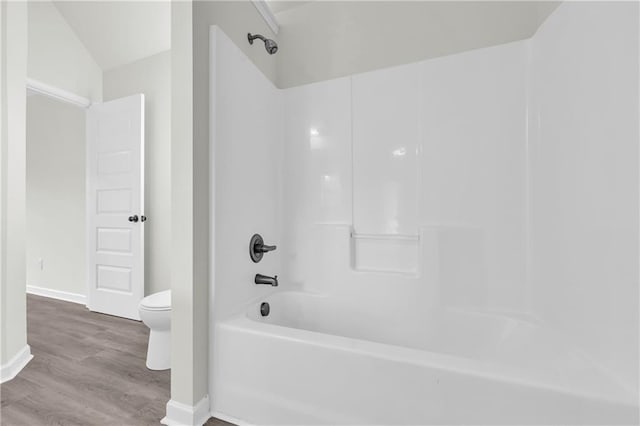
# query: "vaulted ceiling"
{"points": [[119, 32], [319, 39]]}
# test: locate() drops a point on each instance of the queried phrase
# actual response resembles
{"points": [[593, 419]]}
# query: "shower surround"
{"points": [[457, 238]]}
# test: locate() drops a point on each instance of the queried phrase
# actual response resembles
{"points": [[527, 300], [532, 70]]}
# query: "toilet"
{"points": [[155, 313]]}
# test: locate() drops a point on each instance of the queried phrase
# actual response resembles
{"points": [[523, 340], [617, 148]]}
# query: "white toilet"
{"points": [[155, 312]]}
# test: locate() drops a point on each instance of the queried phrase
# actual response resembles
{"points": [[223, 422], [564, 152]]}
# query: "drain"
{"points": [[264, 309]]}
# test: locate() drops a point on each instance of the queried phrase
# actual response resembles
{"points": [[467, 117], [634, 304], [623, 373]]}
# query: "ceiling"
{"points": [[320, 39], [119, 32]]}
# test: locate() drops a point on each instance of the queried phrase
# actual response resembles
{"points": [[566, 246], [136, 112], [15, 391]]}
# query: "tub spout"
{"points": [[267, 280]]}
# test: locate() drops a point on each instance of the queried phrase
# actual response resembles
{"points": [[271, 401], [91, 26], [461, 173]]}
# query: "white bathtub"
{"points": [[313, 360]]}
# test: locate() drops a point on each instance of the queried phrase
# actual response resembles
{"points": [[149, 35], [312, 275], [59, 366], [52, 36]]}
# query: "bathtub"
{"points": [[318, 360]]}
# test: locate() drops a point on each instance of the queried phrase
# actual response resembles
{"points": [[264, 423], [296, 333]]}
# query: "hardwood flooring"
{"points": [[88, 369]]}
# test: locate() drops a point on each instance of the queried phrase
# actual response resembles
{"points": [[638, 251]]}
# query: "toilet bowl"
{"points": [[155, 312]]}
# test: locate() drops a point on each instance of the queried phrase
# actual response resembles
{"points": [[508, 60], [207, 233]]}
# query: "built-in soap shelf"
{"points": [[391, 253]]}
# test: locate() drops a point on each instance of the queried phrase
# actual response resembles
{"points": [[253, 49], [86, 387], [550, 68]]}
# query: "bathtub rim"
{"points": [[242, 322]]}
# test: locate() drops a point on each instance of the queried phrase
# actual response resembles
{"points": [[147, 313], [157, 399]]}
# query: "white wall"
{"points": [[57, 57], [518, 163], [386, 133], [56, 161], [544, 224], [189, 322], [246, 181], [318, 170], [152, 76], [247, 141], [439, 143], [190, 23], [56, 195], [13, 74], [236, 19], [584, 168], [328, 39], [472, 172]]}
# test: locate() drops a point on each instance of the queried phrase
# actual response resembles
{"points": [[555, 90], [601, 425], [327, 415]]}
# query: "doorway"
{"points": [[85, 200], [55, 198]]}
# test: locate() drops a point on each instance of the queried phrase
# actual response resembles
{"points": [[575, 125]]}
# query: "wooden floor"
{"points": [[88, 369]]}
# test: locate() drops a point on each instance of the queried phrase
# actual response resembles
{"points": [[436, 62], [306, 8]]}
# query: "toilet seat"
{"points": [[157, 302]]}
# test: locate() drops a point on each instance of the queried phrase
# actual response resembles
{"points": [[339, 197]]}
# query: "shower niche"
{"points": [[385, 253]]}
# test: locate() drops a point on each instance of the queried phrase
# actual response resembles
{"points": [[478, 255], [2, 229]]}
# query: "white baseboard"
{"points": [[57, 294], [11, 369], [179, 414]]}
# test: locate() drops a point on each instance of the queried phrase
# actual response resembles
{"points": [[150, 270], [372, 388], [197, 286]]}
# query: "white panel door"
{"points": [[115, 206]]}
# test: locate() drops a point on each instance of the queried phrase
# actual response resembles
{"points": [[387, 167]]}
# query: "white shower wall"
{"points": [[318, 165], [584, 176], [440, 143], [523, 156], [503, 179], [246, 158]]}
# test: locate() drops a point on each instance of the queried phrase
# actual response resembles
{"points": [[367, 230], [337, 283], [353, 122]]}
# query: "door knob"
{"points": [[133, 218], [143, 218]]}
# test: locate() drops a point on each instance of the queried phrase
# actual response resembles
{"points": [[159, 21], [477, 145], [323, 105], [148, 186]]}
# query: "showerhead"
{"points": [[270, 45]]}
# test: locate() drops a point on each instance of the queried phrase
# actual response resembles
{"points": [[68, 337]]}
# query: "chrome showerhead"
{"points": [[270, 45]]}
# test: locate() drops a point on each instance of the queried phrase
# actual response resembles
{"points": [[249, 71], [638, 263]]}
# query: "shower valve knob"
{"points": [[257, 248]]}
